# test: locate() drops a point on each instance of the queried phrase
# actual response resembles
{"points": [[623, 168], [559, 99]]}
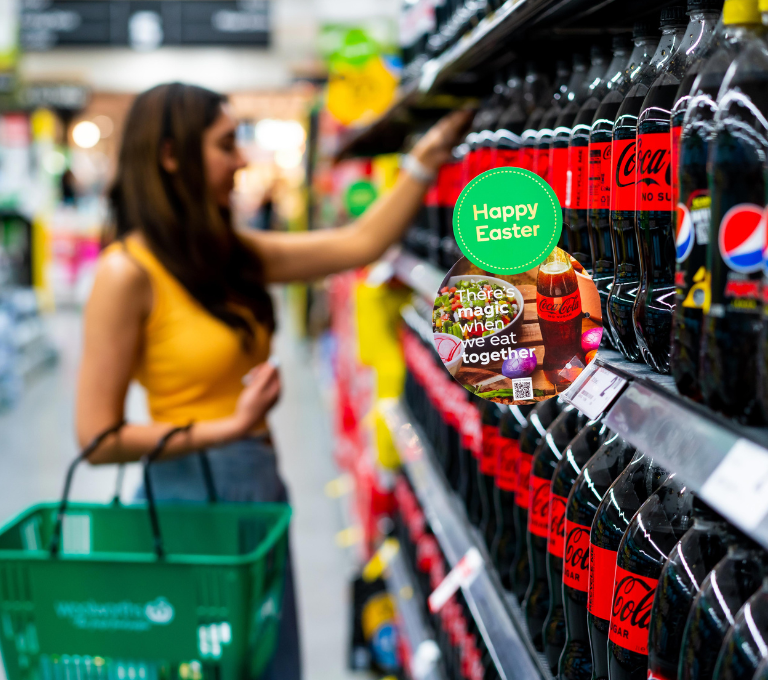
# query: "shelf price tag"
{"points": [[597, 392], [739, 485], [461, 576]]}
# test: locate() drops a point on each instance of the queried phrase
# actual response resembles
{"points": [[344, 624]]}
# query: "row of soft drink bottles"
{"points": [[621, 571], [658, 157]]}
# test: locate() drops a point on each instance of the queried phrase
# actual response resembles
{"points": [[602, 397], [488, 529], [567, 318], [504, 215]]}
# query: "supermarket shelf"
{"points": [[509, 647], [423, 277], [424, 650]]}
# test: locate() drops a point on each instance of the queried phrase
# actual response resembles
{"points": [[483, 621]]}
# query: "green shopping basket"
{"points": [[91, 591]]}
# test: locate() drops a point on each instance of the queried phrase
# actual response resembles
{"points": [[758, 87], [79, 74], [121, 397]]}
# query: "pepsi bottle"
{"points": [[513, 421], [645, 39], [655, 301], [577, 176], [540, 418], [746, 643], [692, 125], [564, 428], [622, 500], [629, 265], [588, 490], [582, 447], [697, 553], [728, 370], [727, 587], [649, 539]]}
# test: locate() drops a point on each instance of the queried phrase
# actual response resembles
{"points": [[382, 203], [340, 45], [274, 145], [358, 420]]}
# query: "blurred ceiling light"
{"points": [[54, 162], [86, 134], [145, 31], [105, 125], [288, 159], [275, 135]]}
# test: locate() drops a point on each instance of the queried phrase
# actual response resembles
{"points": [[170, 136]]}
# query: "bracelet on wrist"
{"points": [[416, 169]]}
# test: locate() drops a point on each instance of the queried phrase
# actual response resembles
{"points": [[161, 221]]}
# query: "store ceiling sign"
{"points": [[144, 24]]}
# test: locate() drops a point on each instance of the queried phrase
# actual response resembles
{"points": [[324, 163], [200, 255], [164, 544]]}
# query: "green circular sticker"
{"points": [[507, 220], [359, 196]]}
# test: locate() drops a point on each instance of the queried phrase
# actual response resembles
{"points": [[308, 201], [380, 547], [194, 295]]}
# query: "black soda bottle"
{"points": [[656, 299], [577, 174], [624, 497], [559, 434], [582, 447], [649, 539], [486, 469], [485, 141], [539, 419], [728, 369], [578, 241], [540, 102], [585, 497], [645, 39], [546, 129], [473, 443], [629, 265], [746, 643], [692, 125], [697, 553], [727, 587], [513, 420], [508, 138], [449, 187]]}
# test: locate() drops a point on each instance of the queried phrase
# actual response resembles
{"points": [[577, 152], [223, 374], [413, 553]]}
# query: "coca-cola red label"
{"points": [[602, 569], [507, 463], [558, 308], [576, 556], [577, 186], [631, 610], [523, 490], [506, 158], [623, 174], [449, 183], [527, 157], [654, 172], [433, 196], [541, 163], [538, 506], [468, 167], [488, 457], [484, 160], [558, 172], [556, 538], [600, 175], [674, 135]]}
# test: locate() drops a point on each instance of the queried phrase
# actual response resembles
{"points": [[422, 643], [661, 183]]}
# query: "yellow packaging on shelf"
{"points": [[741, 12]]}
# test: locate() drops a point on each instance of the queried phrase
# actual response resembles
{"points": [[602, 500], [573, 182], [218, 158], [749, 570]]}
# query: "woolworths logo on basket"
{"points": [[125, 615]]}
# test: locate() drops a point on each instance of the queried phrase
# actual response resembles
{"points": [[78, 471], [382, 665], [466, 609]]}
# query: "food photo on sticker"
{"points": [[519, 338]]}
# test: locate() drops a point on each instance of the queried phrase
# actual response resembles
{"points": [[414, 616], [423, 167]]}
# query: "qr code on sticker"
{"points": [[523, 388]]}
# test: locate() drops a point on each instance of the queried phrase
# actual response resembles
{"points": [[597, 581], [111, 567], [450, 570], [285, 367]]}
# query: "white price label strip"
{"points": [[462, 575], [598, 392], [573, 390], [739, 485]]}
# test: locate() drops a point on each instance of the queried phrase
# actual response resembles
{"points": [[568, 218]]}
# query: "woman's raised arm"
{"points": [[310, 255]]}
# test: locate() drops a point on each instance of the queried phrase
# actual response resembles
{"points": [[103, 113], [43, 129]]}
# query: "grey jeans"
{"points": [[243, 472]]}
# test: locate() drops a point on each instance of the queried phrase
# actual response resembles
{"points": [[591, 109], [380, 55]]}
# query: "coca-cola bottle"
{"points": [[486, 469], [558, 305], [645, 39], [624, 497], [449, 187], [473, 451], [538, 97], [623, 188], [538, 420], [583, 501], [649, 539], [727, 587], [729, 365], [746, 643], [692, 125], [546, 129], [485, 141], [508, 137], [697, 553], [513, 420], [559, 434], [581, 448], [577, 175], [578, 91], [656, 299]]}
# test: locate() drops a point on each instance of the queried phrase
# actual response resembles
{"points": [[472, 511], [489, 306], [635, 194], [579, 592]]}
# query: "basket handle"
{"points": [[83, 455]]}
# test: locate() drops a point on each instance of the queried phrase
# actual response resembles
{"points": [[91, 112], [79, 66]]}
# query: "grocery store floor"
{"points": [[38, 442]]}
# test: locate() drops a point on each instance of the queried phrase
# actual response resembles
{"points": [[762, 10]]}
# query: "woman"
{"points": [[180, 304]]}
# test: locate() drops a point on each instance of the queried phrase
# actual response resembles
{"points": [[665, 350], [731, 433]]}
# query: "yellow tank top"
{"points": [[190, 363]]}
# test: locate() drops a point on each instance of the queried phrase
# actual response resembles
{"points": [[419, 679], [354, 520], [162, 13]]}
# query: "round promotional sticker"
{"points": [[519, 338], [507, 220]]}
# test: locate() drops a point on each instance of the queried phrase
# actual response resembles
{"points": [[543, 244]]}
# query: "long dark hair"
{"points": [[191, 236]]}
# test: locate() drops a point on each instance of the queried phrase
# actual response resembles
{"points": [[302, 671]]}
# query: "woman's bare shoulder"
{"points": [[120, 277]]}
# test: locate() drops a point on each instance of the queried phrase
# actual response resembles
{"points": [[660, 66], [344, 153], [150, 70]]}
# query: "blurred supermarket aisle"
{"points": [[38, 442]]}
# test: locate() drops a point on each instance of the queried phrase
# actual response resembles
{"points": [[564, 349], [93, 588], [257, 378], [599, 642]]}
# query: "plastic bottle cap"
{"points": [[763, 5], [644, 29], [673, 16], [704, 5], [741, 12]]}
